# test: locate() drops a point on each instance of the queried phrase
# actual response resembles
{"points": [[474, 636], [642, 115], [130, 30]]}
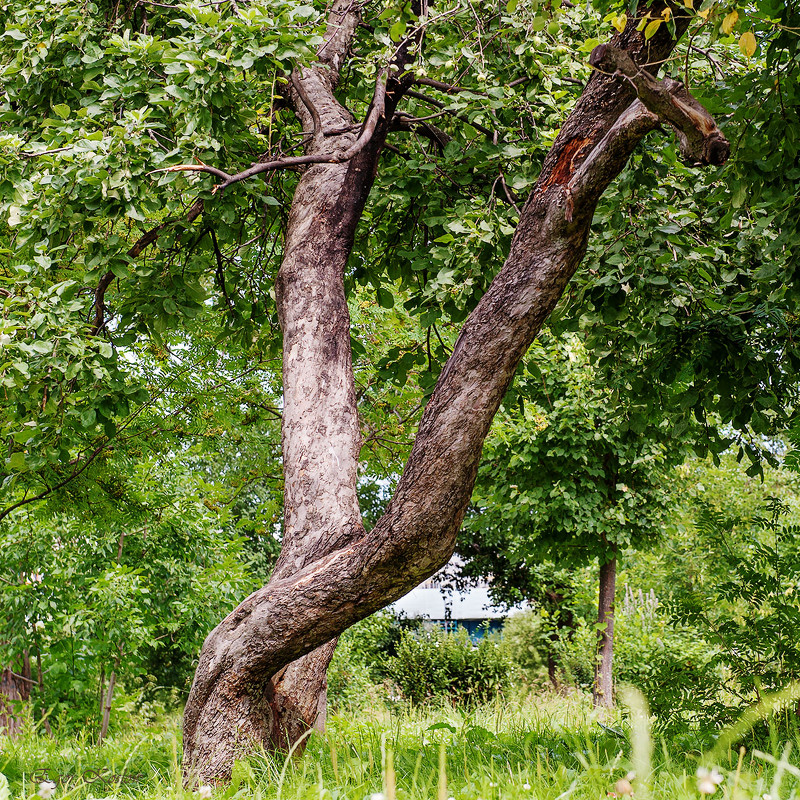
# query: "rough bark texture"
{"points": [[331, 573], [603, 694], [15, 688]]}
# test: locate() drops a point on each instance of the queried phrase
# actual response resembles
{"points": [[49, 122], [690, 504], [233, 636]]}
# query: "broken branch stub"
{"points": [[700, 140]]}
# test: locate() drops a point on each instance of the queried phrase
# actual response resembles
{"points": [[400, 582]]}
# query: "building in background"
{"points": [[439, 601]]}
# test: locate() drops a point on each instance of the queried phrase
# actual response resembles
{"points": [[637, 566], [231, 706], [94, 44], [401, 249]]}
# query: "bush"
{"points": [[362, 659], [526, 640], [431, 663], [350, 683]]}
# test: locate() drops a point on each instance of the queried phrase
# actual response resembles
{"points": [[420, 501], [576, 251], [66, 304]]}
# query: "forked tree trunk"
{"points": [[331, 572], [603, 694]]}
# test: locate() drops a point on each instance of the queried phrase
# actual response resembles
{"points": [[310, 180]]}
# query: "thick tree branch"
{"points": [[700, 138]]}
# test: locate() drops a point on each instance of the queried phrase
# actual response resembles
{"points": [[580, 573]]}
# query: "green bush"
{"points": [[671, 664], [430, 663], [363, 657], [350, 683], [526, 640]]}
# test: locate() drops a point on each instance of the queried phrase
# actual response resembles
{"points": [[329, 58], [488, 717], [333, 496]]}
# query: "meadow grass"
{"points": [[541, 748]]}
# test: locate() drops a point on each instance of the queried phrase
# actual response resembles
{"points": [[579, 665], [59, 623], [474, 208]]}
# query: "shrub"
{"points": [[526, 640], [431, 663], [363, 657], [350, 683]]}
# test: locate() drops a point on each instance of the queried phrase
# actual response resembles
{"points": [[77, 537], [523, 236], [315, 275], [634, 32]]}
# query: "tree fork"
{"points": [[331, 573]]}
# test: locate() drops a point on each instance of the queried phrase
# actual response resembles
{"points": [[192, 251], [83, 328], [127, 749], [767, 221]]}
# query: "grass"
{"points": [[542, 748]]}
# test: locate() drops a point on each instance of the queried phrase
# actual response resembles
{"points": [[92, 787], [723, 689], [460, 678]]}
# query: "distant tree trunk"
{"points": [[604, 664], [556, 596], [107, 704], [15, 687]]}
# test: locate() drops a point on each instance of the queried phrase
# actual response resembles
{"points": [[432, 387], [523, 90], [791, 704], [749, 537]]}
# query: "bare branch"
{"points": [[297, 83], [437, 104]]}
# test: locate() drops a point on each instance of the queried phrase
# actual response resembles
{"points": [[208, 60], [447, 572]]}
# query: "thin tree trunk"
{"points": [[40, 683], [112, 680], [332, 573], [604, 665], [102, 694], [552, 668]]}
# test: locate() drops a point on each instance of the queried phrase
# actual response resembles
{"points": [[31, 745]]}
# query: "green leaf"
{"points": [[398, 30], [16, 462], [385, 298]]}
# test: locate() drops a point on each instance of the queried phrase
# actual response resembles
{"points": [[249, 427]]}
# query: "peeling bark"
{"points": [[331, 573]]}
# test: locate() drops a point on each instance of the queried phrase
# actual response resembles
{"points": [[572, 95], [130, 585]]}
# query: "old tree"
{"points": [[166, 164]]}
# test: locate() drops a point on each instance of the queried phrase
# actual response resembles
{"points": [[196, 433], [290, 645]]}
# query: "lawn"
{"points": [[544, 748]]}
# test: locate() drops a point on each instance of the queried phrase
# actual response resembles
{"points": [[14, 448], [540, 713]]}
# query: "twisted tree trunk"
{"points": [[250, 687]]}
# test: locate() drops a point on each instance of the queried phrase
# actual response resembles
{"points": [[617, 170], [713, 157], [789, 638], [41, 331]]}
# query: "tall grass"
{"points": [[543, 748]]}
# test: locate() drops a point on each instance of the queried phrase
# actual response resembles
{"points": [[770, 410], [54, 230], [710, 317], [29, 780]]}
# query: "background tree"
{"points": [[564, 479]]}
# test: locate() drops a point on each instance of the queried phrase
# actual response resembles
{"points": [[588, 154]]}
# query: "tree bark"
{"points": [[331, 572], [603, 694], [107, 704], [15, 688]]}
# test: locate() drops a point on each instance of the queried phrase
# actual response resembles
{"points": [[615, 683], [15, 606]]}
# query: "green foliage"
{"points": [[364, 658], [692, 292], [752, 613], [527, 640], [431, 663], [564, 478], [134, 593]]}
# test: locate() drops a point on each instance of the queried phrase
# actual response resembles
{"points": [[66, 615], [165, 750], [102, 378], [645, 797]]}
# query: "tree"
{"points": [[147, 87], [566, 480], [113, 590]]}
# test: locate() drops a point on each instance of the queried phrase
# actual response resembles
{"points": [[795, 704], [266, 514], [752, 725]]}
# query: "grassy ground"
{"points": [[549, 748]]}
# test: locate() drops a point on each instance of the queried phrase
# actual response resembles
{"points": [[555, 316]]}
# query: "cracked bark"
{"points": [[331, 573]]}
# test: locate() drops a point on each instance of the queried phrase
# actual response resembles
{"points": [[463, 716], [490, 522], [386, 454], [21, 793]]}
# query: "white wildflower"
{"points": [[205, 791], [46, 790], [526, 786], [708, 780], [38, 626], [623, 788], [5, 340], [377, 796]]}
